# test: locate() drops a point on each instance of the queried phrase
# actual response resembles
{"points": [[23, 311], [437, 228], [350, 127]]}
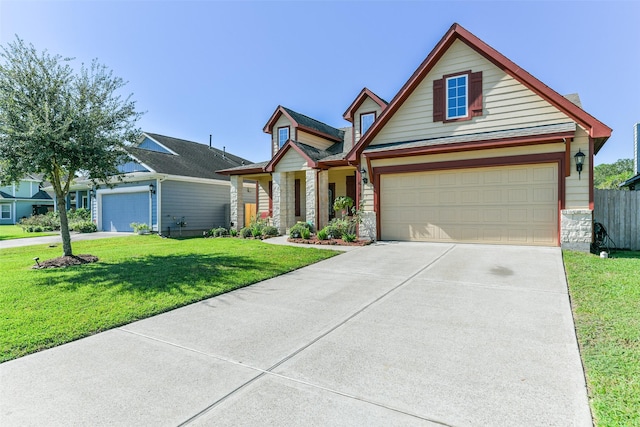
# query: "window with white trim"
{"points": [[283, 135], [457, 94], [5, 211], [366, 120]]}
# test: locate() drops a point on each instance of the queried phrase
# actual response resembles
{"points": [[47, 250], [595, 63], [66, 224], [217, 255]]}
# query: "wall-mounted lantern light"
{"points": [[363, 172], [92, 193], [579, 161], [152, 189]]}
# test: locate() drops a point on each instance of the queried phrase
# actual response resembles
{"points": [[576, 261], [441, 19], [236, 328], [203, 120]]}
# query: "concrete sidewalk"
{"points": [[57, 240], [389, 334]]}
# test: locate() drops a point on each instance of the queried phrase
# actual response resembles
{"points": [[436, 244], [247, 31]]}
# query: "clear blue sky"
{"points": [[221, 68]]}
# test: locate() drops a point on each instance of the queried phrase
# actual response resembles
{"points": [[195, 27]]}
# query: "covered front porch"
{"points": [[285, 197]]}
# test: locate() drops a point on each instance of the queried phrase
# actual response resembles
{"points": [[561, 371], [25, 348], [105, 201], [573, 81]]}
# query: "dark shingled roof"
{"points": [[193, 159], [314, 124], [5, 195], [41, 195]]}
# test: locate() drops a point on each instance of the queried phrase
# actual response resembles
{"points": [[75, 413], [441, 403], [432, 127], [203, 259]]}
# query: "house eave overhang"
{"points": [[596, 129], [631, 181], [245, 171], [397, 150]]}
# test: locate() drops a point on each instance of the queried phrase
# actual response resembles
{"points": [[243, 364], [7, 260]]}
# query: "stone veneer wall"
{"points": [[576, 229]]}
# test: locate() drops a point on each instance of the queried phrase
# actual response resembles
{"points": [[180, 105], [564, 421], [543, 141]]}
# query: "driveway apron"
{"points": [[388, 334]]}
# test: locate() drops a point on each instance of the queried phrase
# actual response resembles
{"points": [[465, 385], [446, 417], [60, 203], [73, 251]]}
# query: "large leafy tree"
{"points": [[61, 123], [610, 176]]}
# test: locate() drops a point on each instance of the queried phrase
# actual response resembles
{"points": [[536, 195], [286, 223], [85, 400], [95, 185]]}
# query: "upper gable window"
{"points": [[366, 120], [283, 135], [457, 97]]}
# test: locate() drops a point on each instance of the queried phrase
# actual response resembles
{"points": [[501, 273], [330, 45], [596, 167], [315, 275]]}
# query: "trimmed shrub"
{"points": [[83, 227], [245, 232], [323, 234], [270, 231], [348, 237], [219, 232], [233, 232], [295, 232], [305, 233]]}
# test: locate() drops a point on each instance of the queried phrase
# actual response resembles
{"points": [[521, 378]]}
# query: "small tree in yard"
{"points": [[60, 123]]}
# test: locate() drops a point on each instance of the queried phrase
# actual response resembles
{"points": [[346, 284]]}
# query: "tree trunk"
{"points": [[64, 226]]}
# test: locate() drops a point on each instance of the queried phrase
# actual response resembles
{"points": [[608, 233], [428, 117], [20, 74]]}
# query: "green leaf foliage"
{"points": [[610, 176], [61, 123]]}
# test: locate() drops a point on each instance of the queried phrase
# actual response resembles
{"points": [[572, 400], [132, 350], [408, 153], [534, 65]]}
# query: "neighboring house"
{"points": [[634, 182], [471, 149], [169, 184], [23, 199]]}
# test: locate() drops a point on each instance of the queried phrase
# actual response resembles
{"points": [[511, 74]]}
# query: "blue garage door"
{"points": [[120, 210]]}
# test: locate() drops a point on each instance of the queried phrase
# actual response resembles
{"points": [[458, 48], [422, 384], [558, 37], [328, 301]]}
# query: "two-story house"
{"points": [[23, 199], [471, 149]]}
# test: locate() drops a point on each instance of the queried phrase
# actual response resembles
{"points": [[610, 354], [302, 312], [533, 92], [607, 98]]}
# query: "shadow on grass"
{"points": [[625, 254], [159, 274]]}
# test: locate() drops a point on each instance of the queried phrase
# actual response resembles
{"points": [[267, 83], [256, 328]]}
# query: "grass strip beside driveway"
{"points": [[136, 277], [9, 232], [605, 298]]}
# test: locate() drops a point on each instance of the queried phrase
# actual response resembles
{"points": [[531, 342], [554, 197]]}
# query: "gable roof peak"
{"points": [[596, 129], [364, 94]]}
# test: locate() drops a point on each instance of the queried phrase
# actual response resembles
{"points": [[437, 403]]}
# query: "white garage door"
{"points": [[503, 205]]}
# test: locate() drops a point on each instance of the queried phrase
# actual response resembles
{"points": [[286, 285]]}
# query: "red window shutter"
{"points": [[271, 199], [297, 197], [438, 100], [475, 94]]}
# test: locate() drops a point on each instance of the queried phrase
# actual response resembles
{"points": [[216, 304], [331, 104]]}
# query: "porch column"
{"points": [[311, 197], [323, 196], [283, 200], [237, 203]]}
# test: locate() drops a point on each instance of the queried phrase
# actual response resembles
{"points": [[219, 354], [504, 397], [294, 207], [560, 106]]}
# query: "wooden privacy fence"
{"points": [[619, 212]]}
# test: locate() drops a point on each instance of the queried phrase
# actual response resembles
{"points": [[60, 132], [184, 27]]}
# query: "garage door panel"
{"points": [[121, 209], [508, 205]]}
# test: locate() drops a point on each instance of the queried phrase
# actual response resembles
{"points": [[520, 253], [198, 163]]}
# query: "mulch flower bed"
{"points": [[66, 261], [330, 242]]}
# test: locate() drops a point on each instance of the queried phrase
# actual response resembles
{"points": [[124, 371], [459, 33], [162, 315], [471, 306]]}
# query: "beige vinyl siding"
{"points": [[367, 106], [339, 177], [263, 195], [507, 104], [292, 161], [281, 122], [577, 190], [313, 140]]}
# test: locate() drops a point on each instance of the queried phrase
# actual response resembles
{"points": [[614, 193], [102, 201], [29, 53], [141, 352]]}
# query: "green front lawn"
{"points": [[16, 232], [605, 297], [136, 277]]}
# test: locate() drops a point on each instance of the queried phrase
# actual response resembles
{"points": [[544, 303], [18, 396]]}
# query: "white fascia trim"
{"points": [[154, 140], [143, 164], [197, 180]]}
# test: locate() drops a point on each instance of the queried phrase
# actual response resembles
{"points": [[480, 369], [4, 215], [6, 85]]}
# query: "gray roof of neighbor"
{"points": [[314, 124], [193, 159]]}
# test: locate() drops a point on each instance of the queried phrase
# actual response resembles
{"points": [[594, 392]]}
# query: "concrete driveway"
{"points": [[389, 334]]}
